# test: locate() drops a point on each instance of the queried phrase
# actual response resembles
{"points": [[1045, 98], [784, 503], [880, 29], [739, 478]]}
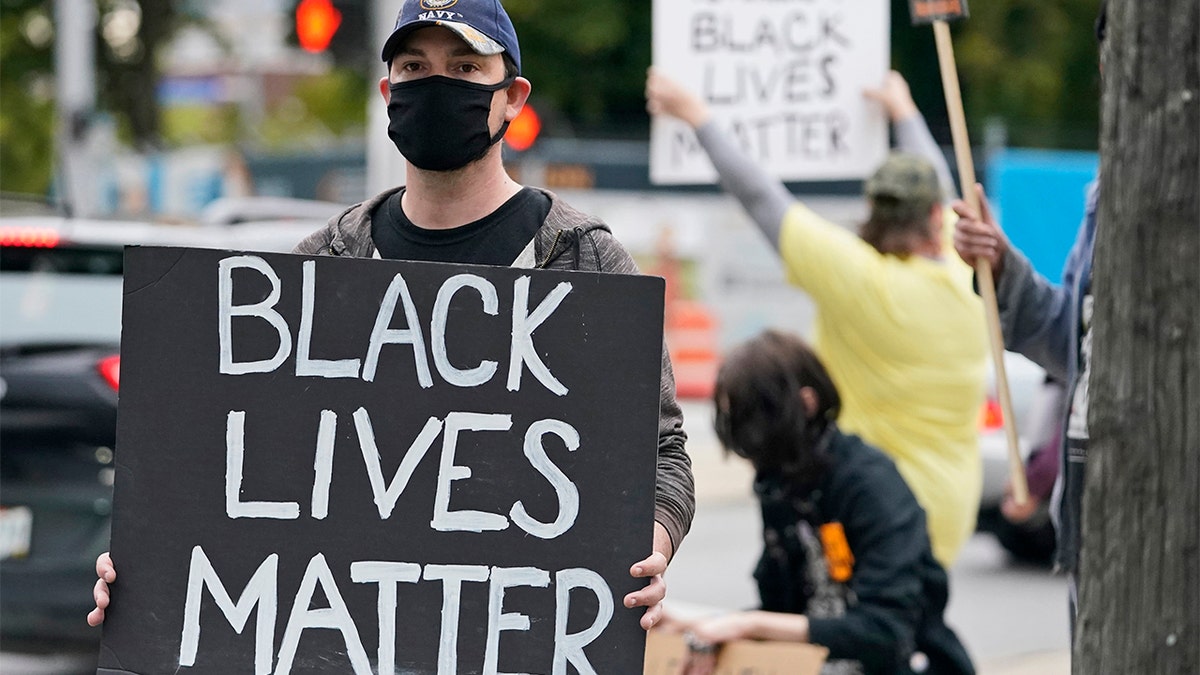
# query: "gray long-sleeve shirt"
{"points": [[765, 197]]}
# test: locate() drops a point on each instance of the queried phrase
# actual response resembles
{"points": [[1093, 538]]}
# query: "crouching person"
{"points": [[846, 560]]}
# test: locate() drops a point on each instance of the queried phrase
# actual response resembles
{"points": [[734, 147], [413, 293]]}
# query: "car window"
{"points": [[60, 295]]}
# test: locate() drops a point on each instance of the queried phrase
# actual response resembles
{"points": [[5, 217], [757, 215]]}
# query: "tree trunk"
{"points": [[1139, 593]]}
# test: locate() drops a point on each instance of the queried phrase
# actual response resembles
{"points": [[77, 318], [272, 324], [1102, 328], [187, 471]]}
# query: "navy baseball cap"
{"points": [[482, 24]]}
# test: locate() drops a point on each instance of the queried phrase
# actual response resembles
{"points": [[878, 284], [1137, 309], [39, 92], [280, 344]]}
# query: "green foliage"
{"points": [[199, 125], [337, 100], [587, 61], [1034, 65], [319, 109], [26, 110], [26, 142], [1028, 63]]}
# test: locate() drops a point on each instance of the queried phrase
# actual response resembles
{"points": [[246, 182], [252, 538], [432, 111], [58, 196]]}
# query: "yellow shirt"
{"points": [[906, 344]]}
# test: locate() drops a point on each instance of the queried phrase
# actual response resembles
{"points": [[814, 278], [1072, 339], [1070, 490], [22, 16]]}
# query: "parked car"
{"points": [[1032, 540], [243, 210], [60, 326]]}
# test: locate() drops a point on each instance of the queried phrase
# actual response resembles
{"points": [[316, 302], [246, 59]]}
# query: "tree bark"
{"points": [[1139, 592]]}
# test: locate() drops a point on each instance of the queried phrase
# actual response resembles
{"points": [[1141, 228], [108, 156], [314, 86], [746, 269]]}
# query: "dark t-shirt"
{"points": [[495, 239]]}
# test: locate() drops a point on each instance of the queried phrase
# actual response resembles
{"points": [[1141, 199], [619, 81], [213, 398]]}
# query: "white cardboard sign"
{"points": [[784, 77]]}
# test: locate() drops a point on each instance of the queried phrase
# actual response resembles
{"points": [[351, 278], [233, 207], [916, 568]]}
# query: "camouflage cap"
{"points": [[904, 185]]}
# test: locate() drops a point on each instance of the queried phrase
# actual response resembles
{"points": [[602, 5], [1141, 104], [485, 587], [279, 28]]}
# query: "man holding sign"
{"points": [[897, 324], [453, 86]]}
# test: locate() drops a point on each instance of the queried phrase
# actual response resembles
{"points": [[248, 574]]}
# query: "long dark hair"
{"points": [[760, 414]]}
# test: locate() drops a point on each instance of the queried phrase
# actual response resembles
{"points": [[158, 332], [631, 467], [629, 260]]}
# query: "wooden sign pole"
{"points": [[983, 268]]}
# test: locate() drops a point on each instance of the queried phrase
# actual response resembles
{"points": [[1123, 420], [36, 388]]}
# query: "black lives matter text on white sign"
{"points": [[337, 465], [784, 78]]}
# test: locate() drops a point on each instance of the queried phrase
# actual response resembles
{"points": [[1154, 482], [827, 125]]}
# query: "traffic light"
{"points": [[316, 23], [523, 130]]}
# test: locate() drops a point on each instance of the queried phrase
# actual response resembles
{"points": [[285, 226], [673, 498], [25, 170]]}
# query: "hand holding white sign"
{"points": [[665, 96], [895, 96]]}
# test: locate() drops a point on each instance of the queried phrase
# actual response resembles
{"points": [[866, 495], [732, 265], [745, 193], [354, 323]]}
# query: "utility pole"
{"points": [[75, 89], [385, 166]]}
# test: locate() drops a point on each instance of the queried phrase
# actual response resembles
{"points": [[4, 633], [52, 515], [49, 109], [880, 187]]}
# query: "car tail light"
{"points": [[110, 370], [34, 237], [991, 415]]}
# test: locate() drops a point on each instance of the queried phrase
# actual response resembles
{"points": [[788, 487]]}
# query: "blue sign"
{"points": [[1038, 196], [201, 90]]}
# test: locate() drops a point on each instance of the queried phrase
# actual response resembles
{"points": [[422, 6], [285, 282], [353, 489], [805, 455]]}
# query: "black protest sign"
{"points": [[367, 466], [928, 11]]}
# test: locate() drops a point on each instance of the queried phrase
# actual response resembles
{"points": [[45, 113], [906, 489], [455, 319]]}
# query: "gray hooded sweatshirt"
{"points": [[567, 240]]}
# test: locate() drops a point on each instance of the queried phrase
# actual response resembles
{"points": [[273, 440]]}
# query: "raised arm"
{"points": [[764, 197], [911, 131]]}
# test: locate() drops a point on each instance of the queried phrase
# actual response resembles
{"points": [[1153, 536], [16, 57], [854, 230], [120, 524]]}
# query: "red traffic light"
{"points": [[523, 130], [316, 22]]}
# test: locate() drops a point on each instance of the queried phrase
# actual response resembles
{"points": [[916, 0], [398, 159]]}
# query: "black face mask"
{"points": [[441, 124]]}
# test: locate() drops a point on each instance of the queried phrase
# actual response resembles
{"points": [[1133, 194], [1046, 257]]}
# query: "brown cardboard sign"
{"points": [[666, 654], [928, 11]]}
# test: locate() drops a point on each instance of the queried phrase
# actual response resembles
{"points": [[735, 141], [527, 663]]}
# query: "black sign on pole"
{"points": [[366, 466], [928, 11]]}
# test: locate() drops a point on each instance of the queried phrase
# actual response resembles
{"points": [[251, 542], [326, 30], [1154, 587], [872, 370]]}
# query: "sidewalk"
{"points": [[1046, 663]]}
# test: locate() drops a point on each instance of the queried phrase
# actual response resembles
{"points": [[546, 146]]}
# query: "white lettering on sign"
{"points": [[564, 489], [334, 617], [452, 578], [387, 575], [262, 592], [259, 592], [381, 334], [252, 301], [523, 325], [398, 298], [445, 520], [568, 647], [304, 364], [385, 493], [323, 464], [482, 373], [504, 578], [264, 309], [235, 458]]}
